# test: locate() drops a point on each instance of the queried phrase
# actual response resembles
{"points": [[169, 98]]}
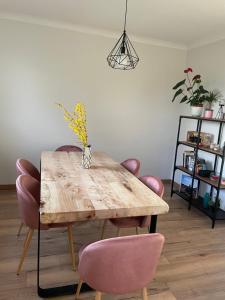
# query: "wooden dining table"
{"points": [[70, 193]]}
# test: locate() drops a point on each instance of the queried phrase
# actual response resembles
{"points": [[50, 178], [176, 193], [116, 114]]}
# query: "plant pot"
{"points": [[86, 157], [208, 114], [196, 111]]}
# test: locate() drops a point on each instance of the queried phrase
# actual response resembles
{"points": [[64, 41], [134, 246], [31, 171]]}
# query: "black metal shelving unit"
{"points": [[214, 213]]}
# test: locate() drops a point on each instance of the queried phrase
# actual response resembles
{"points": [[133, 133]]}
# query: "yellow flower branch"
{"points": [[77, 121]]}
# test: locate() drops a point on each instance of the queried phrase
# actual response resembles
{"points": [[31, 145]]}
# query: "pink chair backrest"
{"points": [[121, 265], [155, 184], [25, 167], [132, 165], [69, 148], [28, 195]]}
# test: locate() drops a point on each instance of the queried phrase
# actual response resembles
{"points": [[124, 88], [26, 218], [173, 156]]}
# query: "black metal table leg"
{"points": [[59, 290], [152, 227]]}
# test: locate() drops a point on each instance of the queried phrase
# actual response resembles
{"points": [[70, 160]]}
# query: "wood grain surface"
{"points": [[106, 190]]}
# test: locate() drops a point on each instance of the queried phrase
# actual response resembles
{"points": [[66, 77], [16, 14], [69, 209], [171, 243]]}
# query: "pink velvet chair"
{"points": [[120, 265], [132, 165], [156, 185], [25, 167], [28, 195], [69, 148]]}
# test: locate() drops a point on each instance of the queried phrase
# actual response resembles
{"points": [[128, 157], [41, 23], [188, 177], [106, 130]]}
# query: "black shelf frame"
{"points": [[213, 213]]}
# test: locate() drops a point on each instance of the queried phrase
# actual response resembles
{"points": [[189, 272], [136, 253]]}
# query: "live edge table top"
{"points": [[106, 190]]}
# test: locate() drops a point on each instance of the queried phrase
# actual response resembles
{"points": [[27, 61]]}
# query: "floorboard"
{"points": [[192, 266]]}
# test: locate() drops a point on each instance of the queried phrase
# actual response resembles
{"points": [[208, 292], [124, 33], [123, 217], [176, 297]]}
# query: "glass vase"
{"points": [[86, 157]]}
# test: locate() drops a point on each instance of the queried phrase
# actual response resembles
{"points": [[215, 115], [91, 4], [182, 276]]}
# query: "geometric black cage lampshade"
{"points": [[123, 56]]}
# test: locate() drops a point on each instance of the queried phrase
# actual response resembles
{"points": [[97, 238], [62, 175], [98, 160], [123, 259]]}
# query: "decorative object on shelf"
{"points": [[185, 186], [212, 145], [205, 139], [188, 157], [123, 56], [220, 113], [192, 92], [211, 98], [188, 160], [78, 123], [206, 200], [205, 173], [216, 147], [200, 165], [214, 177]]}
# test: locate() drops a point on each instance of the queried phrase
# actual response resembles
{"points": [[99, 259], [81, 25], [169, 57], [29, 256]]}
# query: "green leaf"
{"points": [[178, 92], [180, 83], [184, 99], [203, 91], [196, 77]]}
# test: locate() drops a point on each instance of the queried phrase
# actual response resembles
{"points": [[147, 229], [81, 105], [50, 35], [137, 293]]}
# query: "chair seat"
{"points": [[127, 222]]}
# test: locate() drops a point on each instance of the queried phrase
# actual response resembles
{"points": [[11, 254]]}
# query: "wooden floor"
{"points": [[192, 265]]}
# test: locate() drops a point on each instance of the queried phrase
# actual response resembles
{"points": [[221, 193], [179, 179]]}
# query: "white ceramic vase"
{"points": [[196, 111], [86, 157]]}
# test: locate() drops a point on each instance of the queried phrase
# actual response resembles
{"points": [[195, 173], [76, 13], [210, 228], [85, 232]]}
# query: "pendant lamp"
{"points": [[123, 56]]}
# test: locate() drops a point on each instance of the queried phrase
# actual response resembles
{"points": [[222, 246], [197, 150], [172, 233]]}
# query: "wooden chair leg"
{"points": [[78, 289], [71, 245], [137, 230], [98, 295], [25, 249], [144, 294], [103, 229], [118, 231], [19, 230], [25, 241]]}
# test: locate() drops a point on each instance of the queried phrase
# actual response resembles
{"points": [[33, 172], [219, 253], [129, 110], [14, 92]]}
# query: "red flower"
{"points": [[188, 70]]}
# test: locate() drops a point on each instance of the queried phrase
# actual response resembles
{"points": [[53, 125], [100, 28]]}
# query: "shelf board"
{"points": [[220, 214], [194, 145], [204, 119], [203, 179]]}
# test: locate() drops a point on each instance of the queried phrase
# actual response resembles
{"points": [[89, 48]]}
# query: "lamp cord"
{"points": [[125, 20]]}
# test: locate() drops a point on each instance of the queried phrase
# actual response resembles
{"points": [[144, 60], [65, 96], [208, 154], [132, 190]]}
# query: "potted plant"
{"points": [[191, 92], [211, 98]]}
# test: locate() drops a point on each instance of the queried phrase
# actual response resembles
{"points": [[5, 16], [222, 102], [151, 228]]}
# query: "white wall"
{"points": [[129, 112], [210, 63]]}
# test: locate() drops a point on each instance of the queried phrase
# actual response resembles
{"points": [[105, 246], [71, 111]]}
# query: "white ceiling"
{"points": [[182, 22]]}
